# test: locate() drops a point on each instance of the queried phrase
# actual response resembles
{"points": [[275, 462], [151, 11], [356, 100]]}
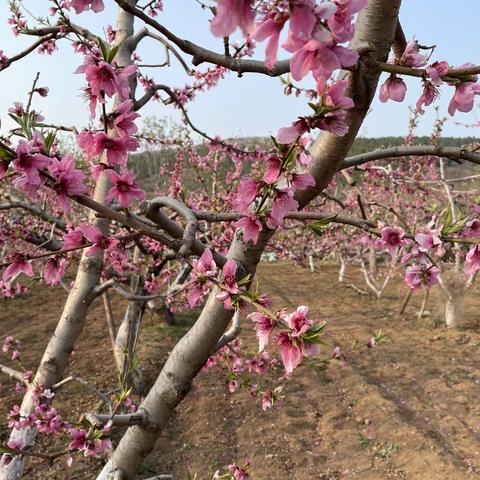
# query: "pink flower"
{"points": [[263, 327], [288, 135], [233, 386], [238, 473], [283, 203], [229, 284], [9, 343], [429, 241], [75, 238], [29, 162], [334, 122], [79, 439], [302, 23], [411, 56], [270, 398], [394, 89], [436, 70], [246, 193], [100, 242], [299, 322], [124, 117], [105, 79], [3, 168], [333, 96], [203, 269], [472, 229], [54, 270], [68, 180], [125, 188], [429, 94], [81, 5], [15, 445], [205, 265], [472, 260], [232, 14], [322, 60], [20, 264], [115, 147], [463, 98], [270, 28], [274, 165], [290, 350], [392, 239], [337, 352], [301, 181], [251, 226], [340, 23], [421, 276]]}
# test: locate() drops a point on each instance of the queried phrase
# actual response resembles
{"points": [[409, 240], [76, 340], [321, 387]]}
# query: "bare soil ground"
{"points": [[409, 409]]}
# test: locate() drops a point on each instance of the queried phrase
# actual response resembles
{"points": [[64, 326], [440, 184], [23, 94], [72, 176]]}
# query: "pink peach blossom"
{"points": [[472, 260], [20, 264], [251, 227], [124, 187], [232, 14], [393, 89]]}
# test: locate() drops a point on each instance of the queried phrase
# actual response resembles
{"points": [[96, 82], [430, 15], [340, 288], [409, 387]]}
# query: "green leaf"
{"points": [[104, 49], [6, 154], [245, 280], [49, 140], [456, 227], [16, 119], [314, 334], [447, 220], [320, 227], [317, 327], [291, 159], [6, 449], [113, 51]]}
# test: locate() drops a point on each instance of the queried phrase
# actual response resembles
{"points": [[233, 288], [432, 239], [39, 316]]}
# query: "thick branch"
{"points": [[36, 211], [117, 420], [201, 54], [192, 222], [176, 231], [231, 334], [15, 374], [454, 153]]}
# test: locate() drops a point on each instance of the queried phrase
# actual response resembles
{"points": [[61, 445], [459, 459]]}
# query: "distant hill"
{"points": [[148, 163]]}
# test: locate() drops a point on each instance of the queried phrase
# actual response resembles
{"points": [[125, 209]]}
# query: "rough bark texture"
{"points": [[375, 32], [72, 320]]}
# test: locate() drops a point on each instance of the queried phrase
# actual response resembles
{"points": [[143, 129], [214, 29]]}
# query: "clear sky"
{"points": [[253, 104]]}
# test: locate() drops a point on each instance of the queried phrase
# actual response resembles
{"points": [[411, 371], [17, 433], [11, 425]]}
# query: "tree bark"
{"points": [[375, 31], [72, 320]]}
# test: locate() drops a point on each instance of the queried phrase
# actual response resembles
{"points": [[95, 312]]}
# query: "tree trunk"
{"points": [[456, 288], [343, 268], [72, 320], [372, 261], [452, 313], [126, 342], [375, 29]]}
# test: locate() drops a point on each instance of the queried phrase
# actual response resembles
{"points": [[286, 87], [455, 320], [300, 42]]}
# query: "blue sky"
{"points": [[253, 104]]}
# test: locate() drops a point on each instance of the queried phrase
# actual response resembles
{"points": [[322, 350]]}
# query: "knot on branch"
{"points": [[185, 212]]}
